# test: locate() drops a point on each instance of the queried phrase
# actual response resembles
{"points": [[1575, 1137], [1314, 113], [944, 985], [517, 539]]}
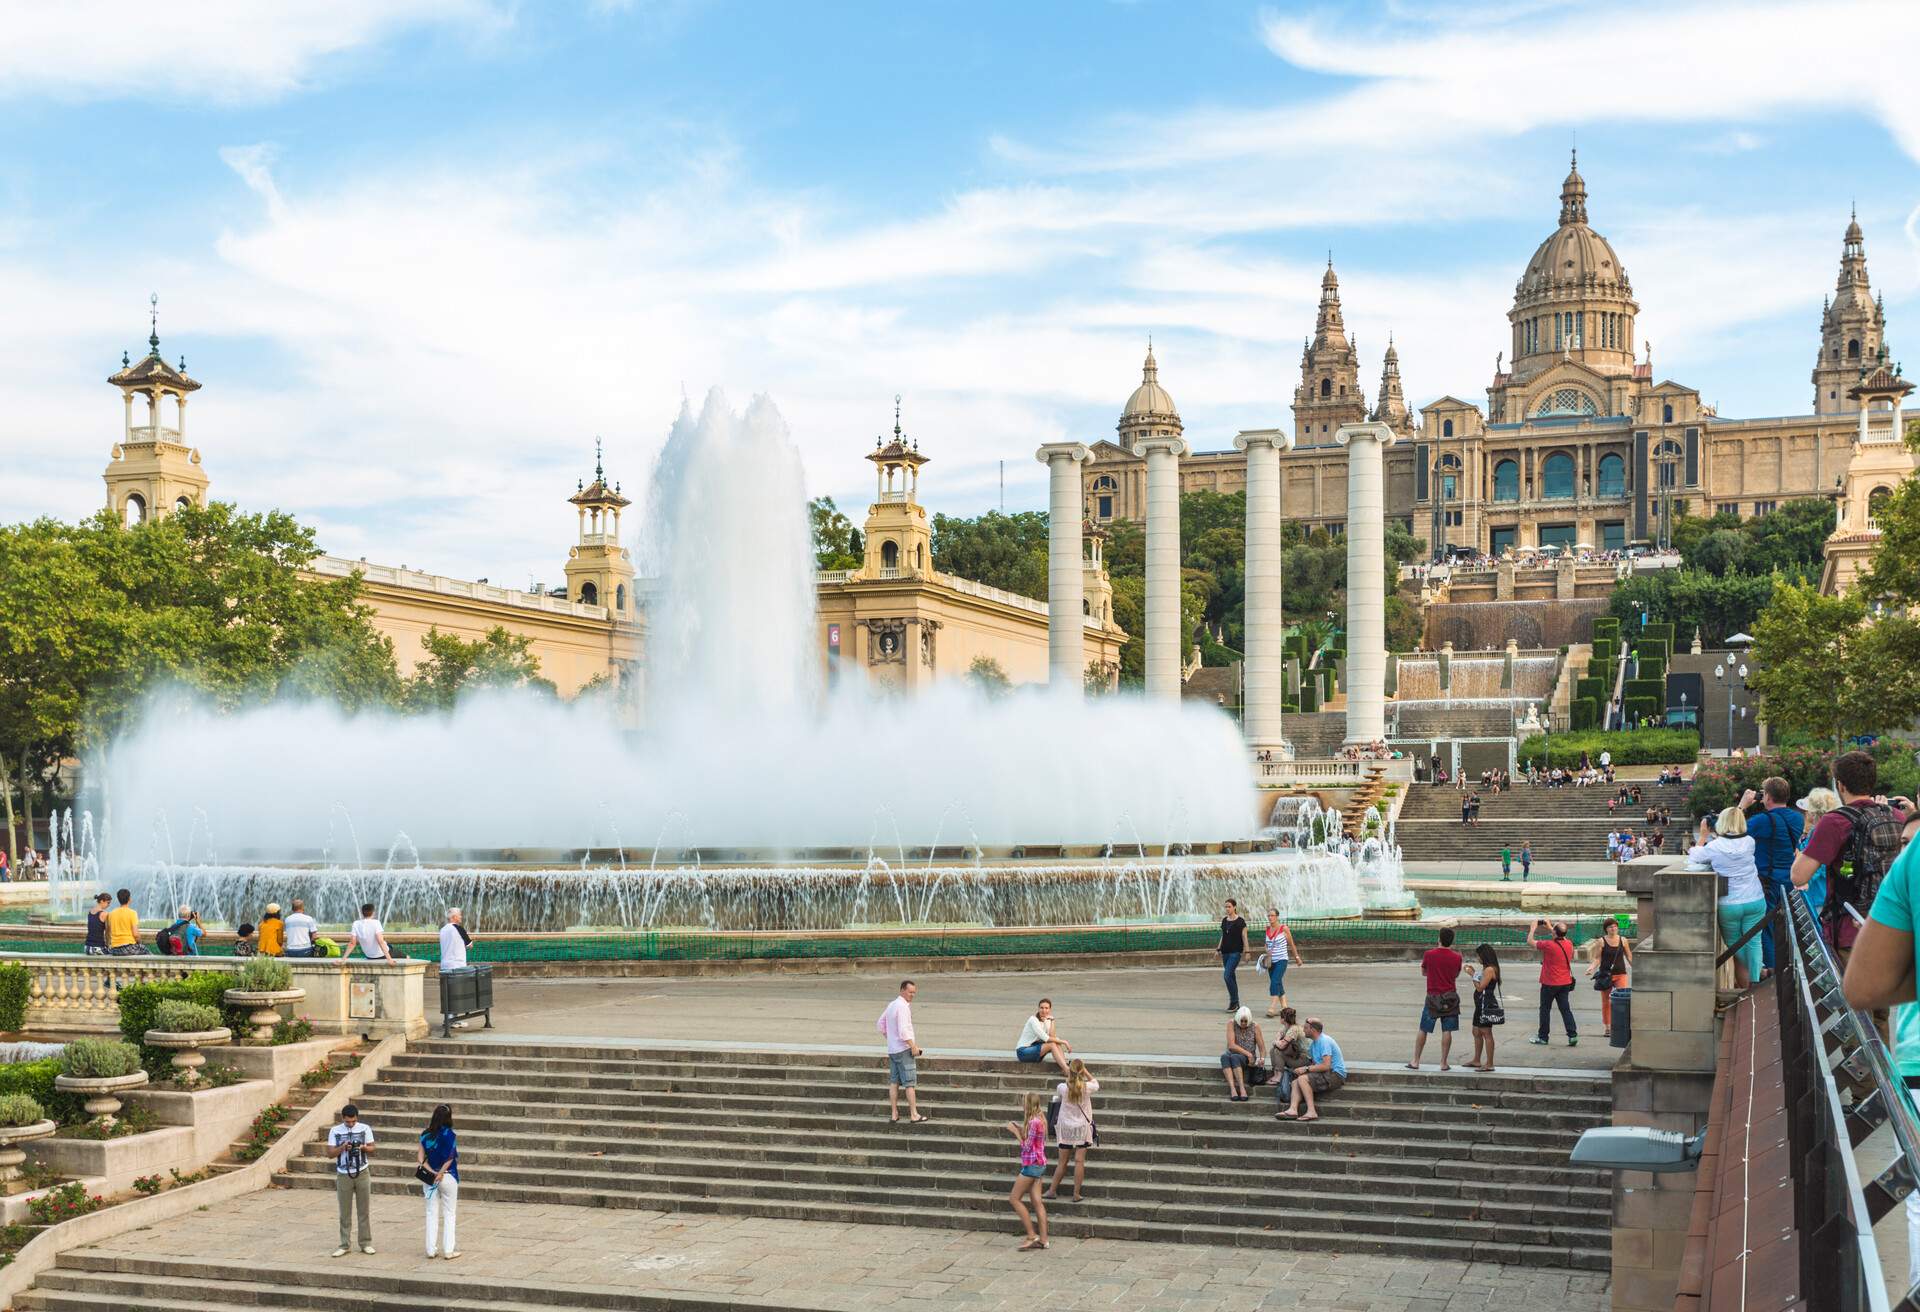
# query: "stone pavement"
{"points": [[1371, 1009], [831, 1266]]}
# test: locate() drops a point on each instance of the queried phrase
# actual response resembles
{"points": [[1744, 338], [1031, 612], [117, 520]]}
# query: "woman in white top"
{"points": [[1073, 1126], [1037, 1040], [1729, 851], [1277, 956]]}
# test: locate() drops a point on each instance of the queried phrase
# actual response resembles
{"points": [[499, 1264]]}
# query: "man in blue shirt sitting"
{"points": [[1775, 830], [1325, 1071]]}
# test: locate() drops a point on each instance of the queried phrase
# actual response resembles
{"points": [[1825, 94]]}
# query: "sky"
{"points": [[421, 253]]}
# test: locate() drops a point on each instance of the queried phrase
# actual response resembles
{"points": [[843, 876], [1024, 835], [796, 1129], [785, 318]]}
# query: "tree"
{"points": [[1893, 577], [834, 536], [1689, 598], [1001, 551], [1824, 669], [453, 666], [987, 676], [1718, 553]]}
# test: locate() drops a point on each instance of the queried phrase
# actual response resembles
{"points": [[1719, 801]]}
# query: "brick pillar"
{"points": [[1666, 1078]]}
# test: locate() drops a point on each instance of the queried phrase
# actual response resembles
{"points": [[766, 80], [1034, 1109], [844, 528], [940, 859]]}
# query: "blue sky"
{"points": [[422, 251]]}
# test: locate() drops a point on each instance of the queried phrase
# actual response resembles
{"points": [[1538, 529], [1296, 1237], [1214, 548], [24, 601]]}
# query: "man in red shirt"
{"points": [[1441, 966], [1556, 979]]}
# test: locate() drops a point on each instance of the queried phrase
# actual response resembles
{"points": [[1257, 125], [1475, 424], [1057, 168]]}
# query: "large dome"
{"points": [[1575, 255], [1149, 400]]}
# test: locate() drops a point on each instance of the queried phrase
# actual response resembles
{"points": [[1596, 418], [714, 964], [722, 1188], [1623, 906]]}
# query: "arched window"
{"points": [[136, 509], [1666, 414], [181, 503], [1326, 387], [1853, 349], [1506, 481], [919, 557], [1613, 476], [889, 555], [1446, 428], [1565, 401], [1103, 491], [1875, 500], [1556, 477], [1086, 607], [589, 595], [620, 596]]}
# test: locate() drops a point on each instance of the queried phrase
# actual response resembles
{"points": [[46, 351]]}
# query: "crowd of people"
{"points": [[1377, 750], [113, 930], [33, 865]]}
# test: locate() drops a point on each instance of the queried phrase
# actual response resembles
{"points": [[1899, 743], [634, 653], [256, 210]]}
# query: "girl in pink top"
{"points": [[1031, 1131]]}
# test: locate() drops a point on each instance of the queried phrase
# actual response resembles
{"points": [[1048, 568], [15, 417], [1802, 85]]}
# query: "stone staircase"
{"points": [[1462, 1166], [1563, 824]]}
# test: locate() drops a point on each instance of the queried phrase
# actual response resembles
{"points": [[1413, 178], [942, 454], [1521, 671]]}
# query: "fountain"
{"points": [[776, 803]]}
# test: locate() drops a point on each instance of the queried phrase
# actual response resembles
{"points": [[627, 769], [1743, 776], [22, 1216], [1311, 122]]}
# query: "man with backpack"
{"points": [[1775, 829], [182, 937], [1858, 842]]}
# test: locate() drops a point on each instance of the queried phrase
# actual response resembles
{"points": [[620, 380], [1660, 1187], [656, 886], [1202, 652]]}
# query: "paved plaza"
{"points": [[1372, 1009], [829, 1266]]}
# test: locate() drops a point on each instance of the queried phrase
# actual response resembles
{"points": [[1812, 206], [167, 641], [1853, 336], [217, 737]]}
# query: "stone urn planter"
{"points": [[266, 1004], [101, 1092], [11, 1155], [187, 1058]]}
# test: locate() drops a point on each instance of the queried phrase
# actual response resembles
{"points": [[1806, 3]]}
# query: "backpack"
{"points": [[1871, 852], [168, 942]]}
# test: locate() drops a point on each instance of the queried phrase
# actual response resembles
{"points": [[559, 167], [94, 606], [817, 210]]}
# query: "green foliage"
{"points": [[20, 1109], [453, 666], [131, 1119], [147, 1184], [218, 1075], [140, 1003], [1631, 747], [1640, 708], [178, 1016], [1718, 606], [1592, 688], [1607, 626], [1821, 668], [63, 1204], [1001, 551], [15, 982], [985, 674], [269, 1125], [262, 975], [1653, 690], [833, 536], [1718, 783], [1584, 713], [1309, 695], [297, 1030], [1605, 652], [99, 1059], [35, 1079]]}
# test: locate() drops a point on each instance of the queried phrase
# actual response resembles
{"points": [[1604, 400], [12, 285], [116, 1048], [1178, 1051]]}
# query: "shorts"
{"points": [[1034, 1172], [1325, 1081], [900, 1068], [299, 952], [1232, 1060], [1032, 1052], [1448, 1024]]}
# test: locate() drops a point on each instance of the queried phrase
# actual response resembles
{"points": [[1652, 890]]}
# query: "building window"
{"points": [[1727, 508], [1446, 428], [1613, 535], [1557, 535], [1326, 387], [1449, 487], [1106, 507], [1666, 414], [589, 595], [1455, 518], [1875, 500], [1502, 540], [136, 509], [1566, 401], [1556, 477], [889, 555], [620, 596], [1764, 507], [1853, 349], [1613, 476], [1506, 481]]}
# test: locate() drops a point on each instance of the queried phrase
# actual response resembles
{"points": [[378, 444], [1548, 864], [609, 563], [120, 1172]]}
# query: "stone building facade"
{"points": [[1577, 441]]}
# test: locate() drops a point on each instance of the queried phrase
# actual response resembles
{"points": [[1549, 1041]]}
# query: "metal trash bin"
{"points": [[465, 991], [1622, 1032]]}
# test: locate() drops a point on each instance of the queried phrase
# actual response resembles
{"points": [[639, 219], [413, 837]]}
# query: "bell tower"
{"points": [[899, 540], [1852, 329], [599, 569], [153, 471], [1329, 392]]}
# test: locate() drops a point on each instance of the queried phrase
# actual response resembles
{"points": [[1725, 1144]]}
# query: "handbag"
{"points": [[1492, 1010], [1442, 1005], [1053, 1119], [1262, 962], [425, 1175]]}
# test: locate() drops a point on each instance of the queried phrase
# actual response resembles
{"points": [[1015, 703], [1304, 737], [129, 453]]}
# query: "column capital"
{"points": [[1277, 438], [1171, 443], [1348, 432], [1078, 452]]}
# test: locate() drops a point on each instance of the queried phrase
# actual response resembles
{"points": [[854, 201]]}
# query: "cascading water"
{"points": [[744, 748]]}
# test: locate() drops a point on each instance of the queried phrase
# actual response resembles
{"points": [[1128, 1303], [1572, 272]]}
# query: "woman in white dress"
{"points": [[1073, 1127]]}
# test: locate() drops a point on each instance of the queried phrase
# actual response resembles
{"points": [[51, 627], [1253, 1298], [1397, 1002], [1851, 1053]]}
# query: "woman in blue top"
{"points": [[439, 1156], [1816, 804]]}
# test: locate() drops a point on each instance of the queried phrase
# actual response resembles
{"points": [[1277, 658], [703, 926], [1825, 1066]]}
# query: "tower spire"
{"points": [[1573, 194], [153, 321]]}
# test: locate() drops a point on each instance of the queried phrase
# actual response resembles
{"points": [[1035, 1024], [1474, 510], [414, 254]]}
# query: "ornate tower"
{"points": [[899, 539], [153, 470], [1329, 393], [599, 569], [1391, 408], [1852, 329]]}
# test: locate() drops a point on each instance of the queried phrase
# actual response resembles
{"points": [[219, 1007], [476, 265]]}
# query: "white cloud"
{"points": [[222, 50]]}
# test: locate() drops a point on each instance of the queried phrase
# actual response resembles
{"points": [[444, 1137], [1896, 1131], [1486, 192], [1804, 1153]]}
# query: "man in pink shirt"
{"points": [[896, 1022]]}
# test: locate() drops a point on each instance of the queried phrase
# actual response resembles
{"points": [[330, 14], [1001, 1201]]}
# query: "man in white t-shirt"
{"points": [[369, 936], [301, 928], [453, 941], [351, 1143]]}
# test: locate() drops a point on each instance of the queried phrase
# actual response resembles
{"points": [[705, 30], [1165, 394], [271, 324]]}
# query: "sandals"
{"points": [[1031, 1245], [920, 1120]]}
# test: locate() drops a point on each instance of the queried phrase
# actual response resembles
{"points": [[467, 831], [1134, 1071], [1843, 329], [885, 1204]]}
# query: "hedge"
{"points": [[1662, 631], [35, 1079], [1653, 668], [1639, 708], [1717, 784], [1309, 695], [1653, 690], [1631, 747], [1607, 626], [1605, 653], [139, 1004], [1585, 713], [15, 981], [1591, 687]]}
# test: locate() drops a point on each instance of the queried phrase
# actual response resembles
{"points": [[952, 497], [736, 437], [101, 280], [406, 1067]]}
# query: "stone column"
{"points": [[1164, 656], [1264, 669], [1066, 580], [1366, 579]]}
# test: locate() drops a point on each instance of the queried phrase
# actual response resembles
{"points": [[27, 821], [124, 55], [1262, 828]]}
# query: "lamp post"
{"points": [[1728, 673]]}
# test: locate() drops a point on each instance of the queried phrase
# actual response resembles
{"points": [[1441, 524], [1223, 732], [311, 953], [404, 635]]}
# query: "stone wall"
{"points": [[1487, 625]]}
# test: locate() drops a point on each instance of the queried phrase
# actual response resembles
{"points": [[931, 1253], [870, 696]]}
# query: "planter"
{"points": [[186, 1045], [11, 1137], [266, 1007], [101, 1092]]}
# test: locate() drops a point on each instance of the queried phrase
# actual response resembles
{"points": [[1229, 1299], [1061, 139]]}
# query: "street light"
{"points": [[1726, 672]]}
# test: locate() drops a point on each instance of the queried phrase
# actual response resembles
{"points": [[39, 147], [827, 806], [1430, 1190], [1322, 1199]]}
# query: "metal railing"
{"points": [[1847, 1107]]}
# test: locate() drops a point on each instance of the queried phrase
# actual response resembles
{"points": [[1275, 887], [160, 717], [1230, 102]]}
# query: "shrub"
{"points": [[35, 1079], [15, 979], [63, 1204], [99, 1059], [133, 1119], [1605, 652], [291, 1031], [1585, 713], [147, 1184], [178, 1016], [1607, 626], [1654, 690], [265, 1129], [20, 1109], [1638, 708], [219, 1075], [140, 1003], [1718, 783], [1631, 747], [264, 975]]}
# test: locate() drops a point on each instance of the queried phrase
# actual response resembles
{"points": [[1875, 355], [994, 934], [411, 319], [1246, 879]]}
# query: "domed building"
{"points": [[1577, 444]]}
